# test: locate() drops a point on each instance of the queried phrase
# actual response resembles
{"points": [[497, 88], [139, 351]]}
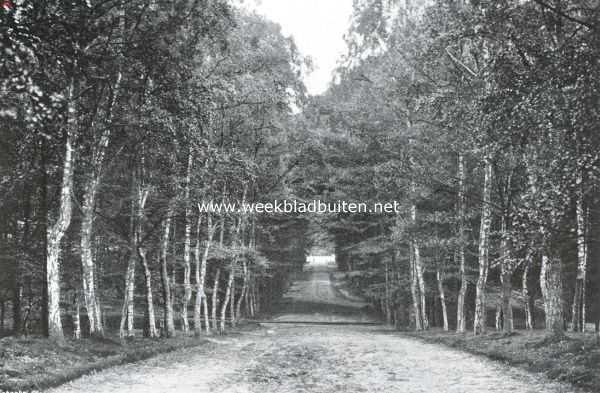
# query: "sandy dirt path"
{"points": [[315, 358]]}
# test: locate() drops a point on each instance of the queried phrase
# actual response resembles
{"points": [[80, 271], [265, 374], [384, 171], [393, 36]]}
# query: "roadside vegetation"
{"points": [[118, 119], [574, 359]]}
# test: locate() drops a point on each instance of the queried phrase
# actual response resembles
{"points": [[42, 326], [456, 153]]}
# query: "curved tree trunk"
{"points": [[92, 302], [227, 297], [139, 197], [244, 290], [149, 316], [201, 266], [56, 232]]}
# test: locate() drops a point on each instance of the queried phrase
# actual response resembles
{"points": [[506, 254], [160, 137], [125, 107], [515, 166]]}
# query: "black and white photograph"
{"points": [[300, 196]]}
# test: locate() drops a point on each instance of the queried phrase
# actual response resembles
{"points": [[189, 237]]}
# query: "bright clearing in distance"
{"points": [[318, 28]]}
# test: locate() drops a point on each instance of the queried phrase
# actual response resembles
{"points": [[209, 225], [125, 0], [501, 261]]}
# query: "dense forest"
{"points": [[118, 119], [481, 119]]}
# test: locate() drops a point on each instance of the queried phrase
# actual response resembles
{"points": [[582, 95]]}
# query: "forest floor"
{"points": [[575, 359], [35, 363], [318, 343]]}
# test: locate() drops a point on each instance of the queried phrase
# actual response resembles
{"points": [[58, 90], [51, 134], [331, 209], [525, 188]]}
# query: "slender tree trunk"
{"points": [[221, 231], [525, 292], [227, 297], [205, 313], [479, 325], [142, 197], [149, 316], [76, 318], [126, 328], [87, 259], [25, 252], [252, 298], [419, 274], [507, 314], [499, 315], [201, 266], [215, 298], [57, 230], [92, 302], [187, 248], [386, 296], [415, 294], [232, 315], [127, 312], [244, 288], [199, 284], [578, 311], [461, 324], [440, 282], [506, 280], [45, 211], [164, 275]]}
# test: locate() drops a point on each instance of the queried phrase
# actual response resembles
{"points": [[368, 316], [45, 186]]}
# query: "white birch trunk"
{"points": [[551, 285], [215, 299], [526, 295], [506, 281], [227, 297], [201, 266], [420, 280], [57, 230], [150, 319], [461, 324], [415, 294], [244, 288], [187, 286], [77, 318], [165, 278], [578, 310], [232, 315], [479, 325], [92, 303], [440, 281]]}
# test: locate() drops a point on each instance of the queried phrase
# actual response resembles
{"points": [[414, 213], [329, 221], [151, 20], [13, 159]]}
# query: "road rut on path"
{"points": [[302, 358]]}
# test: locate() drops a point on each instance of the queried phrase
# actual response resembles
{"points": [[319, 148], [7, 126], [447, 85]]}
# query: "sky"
{"points": [[318, 27]]}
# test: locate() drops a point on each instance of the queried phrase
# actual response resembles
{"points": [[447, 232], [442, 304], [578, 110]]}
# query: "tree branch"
{"points": [[564, 15]]}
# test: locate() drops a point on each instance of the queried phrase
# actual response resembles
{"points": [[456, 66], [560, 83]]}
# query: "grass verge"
{"points": [[575, 359], [36, 363]]}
